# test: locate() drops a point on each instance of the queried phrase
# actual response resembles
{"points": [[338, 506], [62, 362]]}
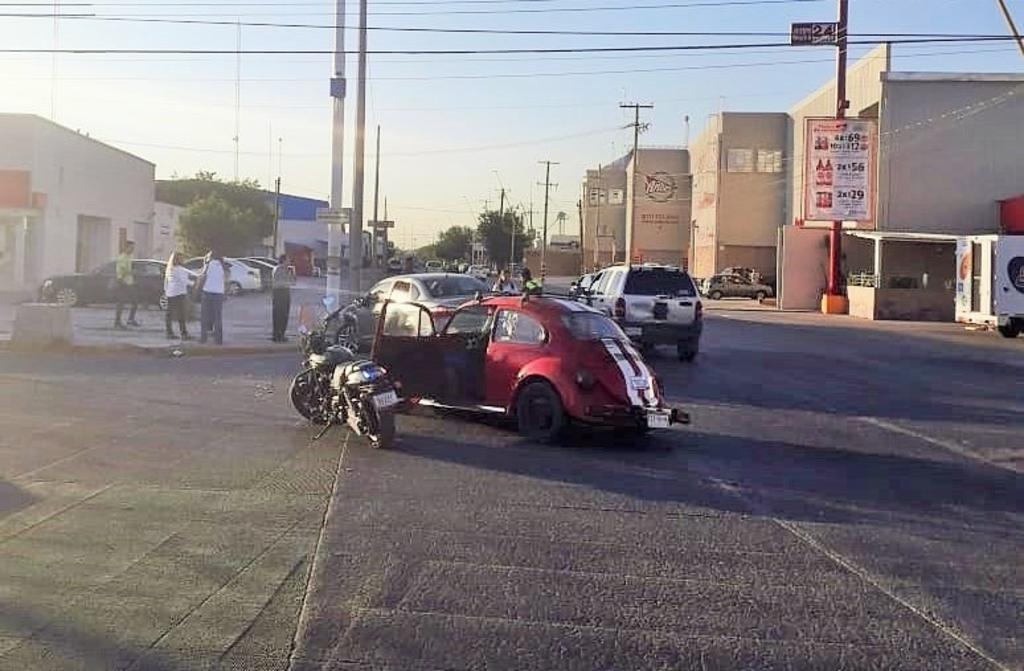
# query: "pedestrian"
{"points": [[530, 286], [214, 282], [124, 286], [176, 292], [283, 280], [504, 285]]}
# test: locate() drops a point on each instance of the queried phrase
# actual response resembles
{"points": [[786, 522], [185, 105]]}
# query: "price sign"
{"points": [[839, 169], [813, 34]]}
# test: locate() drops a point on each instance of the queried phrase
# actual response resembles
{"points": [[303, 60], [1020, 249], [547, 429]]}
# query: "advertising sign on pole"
{"points": [[839, 169], [813, 34]]}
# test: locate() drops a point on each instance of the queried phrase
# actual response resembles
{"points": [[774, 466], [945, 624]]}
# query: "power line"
{"points": [[470, 31], [455, 52]]}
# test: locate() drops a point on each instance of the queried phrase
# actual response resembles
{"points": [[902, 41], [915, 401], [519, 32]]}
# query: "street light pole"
{"points": [[355, 236], [334, 230]]}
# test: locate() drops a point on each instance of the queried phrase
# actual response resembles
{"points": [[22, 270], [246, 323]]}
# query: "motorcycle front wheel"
{"points": [[303, 395]]}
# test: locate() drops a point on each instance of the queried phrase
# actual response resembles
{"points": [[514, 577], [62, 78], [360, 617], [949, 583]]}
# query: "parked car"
{"points": [[578, 288], [266, 270], [395, 264], [654, 304], [480, 272], [441, 293], [735, 286], [241, 278], [434, 266], [98, 286], [546, 362]]}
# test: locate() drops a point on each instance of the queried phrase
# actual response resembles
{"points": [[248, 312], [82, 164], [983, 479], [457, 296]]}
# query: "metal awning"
{"points": [[900, 236]]}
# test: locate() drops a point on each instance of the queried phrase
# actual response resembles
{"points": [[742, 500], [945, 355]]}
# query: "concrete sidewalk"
{"points": [[247, 325]]}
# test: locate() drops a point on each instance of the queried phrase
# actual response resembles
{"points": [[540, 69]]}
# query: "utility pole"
{"points": [[1011, 25], [836, 233], [579, 210], [355, 236], [277, 212], [376, 200], [334, 230], [636, 107], [544, 235], [238, 93]]}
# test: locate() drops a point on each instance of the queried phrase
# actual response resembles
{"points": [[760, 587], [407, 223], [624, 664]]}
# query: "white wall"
{"points": [[78, 176], [166, 220], [950, 147]]}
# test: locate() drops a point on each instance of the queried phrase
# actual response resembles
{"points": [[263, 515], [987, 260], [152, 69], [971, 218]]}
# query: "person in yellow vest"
{"points": [[124, 286], [531, 287]]}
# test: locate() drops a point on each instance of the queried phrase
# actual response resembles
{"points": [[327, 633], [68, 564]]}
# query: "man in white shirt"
{"points": [[214, 280]]}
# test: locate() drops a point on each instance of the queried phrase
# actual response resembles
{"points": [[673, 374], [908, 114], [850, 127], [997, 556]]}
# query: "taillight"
{"points": [[699, 311], [620, 308]]}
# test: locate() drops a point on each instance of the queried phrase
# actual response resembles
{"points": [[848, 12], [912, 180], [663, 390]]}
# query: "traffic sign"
{"points": [[381, 224], [813, 34]]}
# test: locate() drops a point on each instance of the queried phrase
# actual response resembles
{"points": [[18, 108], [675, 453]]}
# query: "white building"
{"points": [[66, 201]]}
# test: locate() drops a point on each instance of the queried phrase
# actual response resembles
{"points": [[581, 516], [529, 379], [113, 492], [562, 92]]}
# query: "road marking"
{"points": [[938, 442], [862, 573]]}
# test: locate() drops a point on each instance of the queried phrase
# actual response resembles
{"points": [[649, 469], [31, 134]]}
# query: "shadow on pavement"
{"points": [[786, 480]]}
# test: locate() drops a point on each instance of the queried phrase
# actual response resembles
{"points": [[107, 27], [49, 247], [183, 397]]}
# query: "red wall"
{"points": [[1011, 215], [15, 189]]}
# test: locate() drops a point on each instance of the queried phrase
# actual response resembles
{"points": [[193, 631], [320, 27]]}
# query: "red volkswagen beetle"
{"points": [[544, 361]]}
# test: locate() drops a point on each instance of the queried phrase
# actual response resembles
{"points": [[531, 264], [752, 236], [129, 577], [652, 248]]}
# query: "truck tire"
{"points": [[1011, 329]]}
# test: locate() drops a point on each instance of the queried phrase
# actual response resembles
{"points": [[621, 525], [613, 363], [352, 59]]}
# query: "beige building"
{"points": [[658, 193], [604, 215], [66, 201], [739, 192]]}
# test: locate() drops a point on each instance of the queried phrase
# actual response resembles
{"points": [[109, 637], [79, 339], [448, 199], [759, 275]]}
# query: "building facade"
{"points": [[604, 215], [739, 192], [66, 201], [658, 193]]}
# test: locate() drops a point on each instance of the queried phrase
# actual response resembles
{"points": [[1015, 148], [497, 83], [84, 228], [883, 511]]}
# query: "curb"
{"points": [[156, 350]]}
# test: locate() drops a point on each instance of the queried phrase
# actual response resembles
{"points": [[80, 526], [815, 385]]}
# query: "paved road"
{"points": [[871, 520]]}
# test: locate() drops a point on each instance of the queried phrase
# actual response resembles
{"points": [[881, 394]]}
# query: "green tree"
{"points": [[454, 244], [495, 232], [229, 216]]}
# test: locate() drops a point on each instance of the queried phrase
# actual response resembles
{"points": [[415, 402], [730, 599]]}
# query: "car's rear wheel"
{"points": [[539, 412], [760, 296], [234, 288], [1010, 329], [66, 296], [715, 295]]}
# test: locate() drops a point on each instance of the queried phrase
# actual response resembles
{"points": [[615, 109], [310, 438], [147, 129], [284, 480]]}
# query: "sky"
{"points": [[454, 128]]}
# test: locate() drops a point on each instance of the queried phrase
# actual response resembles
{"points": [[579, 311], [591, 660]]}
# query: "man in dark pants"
{"points": [[124, 286], [283, 279]]}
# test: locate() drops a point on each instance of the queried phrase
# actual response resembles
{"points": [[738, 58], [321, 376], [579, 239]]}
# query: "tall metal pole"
{"points": [[1011, 25], [376, 202], [238, 93], [355, 235], [277, 213], [334, 229], [636, 171], [836, 233], [544, 234]]}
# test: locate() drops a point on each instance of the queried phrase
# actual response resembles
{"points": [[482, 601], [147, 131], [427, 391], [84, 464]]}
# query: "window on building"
{"points": [[616, 197], [597, 196], [769, 160], [740, 160]]}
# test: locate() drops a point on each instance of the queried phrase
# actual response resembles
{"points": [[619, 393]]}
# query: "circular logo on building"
{"points": [[1015, 271], [660, 187]]}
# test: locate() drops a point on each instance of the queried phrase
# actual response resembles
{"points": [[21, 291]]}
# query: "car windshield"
{"points": [[659, 282], [446, 287], [592, 326]]}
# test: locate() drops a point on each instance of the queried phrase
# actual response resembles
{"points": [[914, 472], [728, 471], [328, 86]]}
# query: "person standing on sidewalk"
{"points": [[283, 280], [176, 291], [124, 286], [214, 283]]}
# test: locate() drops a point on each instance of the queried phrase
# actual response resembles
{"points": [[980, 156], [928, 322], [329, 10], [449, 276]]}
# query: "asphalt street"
{"points": [[849, 496]]}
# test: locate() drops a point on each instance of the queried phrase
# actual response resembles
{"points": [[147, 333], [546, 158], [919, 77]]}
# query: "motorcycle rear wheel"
{"points": [[384, 438]]}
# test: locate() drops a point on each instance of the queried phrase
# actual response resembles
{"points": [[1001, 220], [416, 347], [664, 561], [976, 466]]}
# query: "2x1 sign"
{"points": [[813, 34]]}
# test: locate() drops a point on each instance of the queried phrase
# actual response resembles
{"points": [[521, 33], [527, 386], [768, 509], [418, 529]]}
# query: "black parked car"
{"points": [[98, 286]]}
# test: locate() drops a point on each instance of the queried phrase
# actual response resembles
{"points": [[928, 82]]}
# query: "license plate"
{"points": [[639, 383], [632, 331], [657, 419], [385, 400]]}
